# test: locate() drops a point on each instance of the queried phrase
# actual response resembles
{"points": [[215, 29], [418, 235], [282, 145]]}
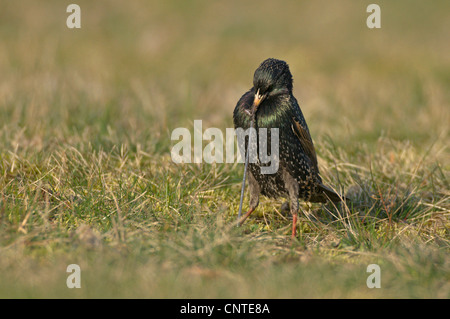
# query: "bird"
{"points": [[269, 104]]}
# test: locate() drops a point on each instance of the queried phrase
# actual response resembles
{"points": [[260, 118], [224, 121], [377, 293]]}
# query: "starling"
{"points": [[271, 104]]}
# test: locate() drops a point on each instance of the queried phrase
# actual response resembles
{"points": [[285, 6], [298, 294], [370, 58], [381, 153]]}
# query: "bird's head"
{"points": [[271, 78]]}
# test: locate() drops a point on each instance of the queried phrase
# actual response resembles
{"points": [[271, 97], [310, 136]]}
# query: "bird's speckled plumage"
{"points": [[298, 174]]}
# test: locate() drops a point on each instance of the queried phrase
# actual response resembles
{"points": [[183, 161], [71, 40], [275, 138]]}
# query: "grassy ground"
{"points": [[85, 170]]}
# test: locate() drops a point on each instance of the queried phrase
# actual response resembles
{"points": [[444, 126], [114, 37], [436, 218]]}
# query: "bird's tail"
{"points": [[324, 193]]}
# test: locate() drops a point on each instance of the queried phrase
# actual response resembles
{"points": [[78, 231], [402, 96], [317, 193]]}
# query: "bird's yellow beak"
{"points": [[257, 101]]}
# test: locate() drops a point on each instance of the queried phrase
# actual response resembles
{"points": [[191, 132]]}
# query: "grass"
{"points": [[86, 175]]}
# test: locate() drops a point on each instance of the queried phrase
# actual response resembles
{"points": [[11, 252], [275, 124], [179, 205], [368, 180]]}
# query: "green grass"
{"points": [[86, 175]]}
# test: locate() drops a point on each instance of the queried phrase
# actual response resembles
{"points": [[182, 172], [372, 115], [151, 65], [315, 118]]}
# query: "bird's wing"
{"points": [[305, 140], [241, 117]]}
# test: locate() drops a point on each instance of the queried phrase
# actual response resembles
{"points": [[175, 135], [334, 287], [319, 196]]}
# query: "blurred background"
{"points": [[86, 117], [137, 70]]}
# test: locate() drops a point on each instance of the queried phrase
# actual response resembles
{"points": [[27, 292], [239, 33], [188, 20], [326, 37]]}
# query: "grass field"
{"points": [[86, 176]]}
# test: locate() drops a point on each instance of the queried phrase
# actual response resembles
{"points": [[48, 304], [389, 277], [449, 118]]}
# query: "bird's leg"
{"points": [[294, 225], [294, 210], [254, 196], [293, 191], [246, 215]]}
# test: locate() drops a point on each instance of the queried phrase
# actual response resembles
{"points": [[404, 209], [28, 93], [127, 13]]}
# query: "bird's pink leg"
{"points": [[246, 216], [294, 225]]}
